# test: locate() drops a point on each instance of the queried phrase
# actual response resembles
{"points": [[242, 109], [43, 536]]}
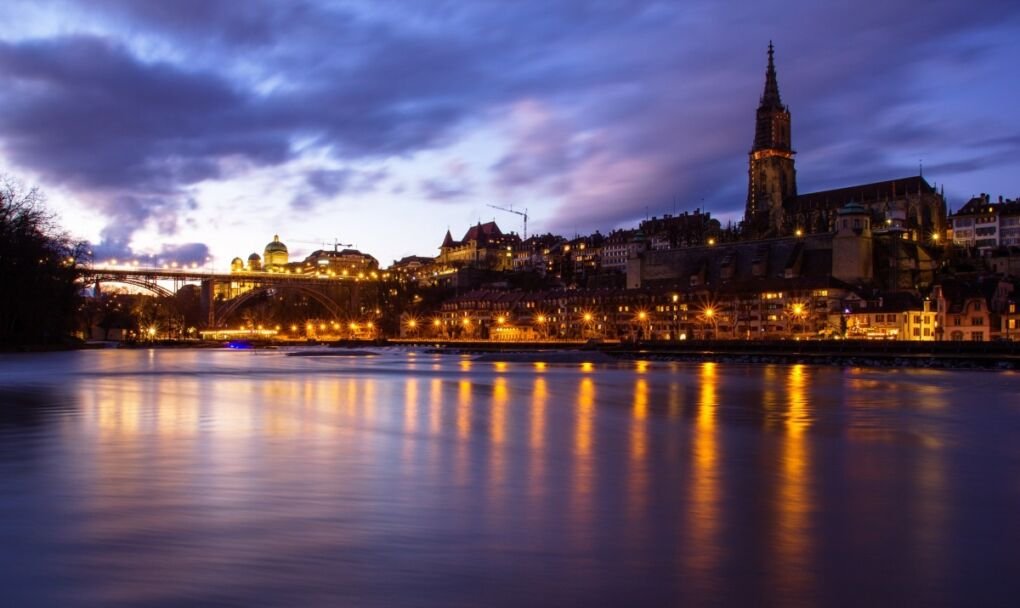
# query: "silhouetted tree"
{"points": [[40, 265]]}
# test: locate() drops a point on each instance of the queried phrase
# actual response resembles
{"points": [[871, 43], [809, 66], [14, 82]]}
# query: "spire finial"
{"points": [[770, 98]]}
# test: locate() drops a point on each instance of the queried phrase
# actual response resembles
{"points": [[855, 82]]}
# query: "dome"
{"points": [[236, 261], [254, 258], [852, 208], [276, 245]]}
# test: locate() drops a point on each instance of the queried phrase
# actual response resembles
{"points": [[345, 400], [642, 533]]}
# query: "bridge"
{"points": [[235, 288]]}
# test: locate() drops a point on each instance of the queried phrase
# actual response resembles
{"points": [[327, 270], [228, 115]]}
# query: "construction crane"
{"points": [[523, 214], [336, 244]]}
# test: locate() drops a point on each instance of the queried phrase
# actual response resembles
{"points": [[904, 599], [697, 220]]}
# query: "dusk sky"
{"points": [[202, 127]]}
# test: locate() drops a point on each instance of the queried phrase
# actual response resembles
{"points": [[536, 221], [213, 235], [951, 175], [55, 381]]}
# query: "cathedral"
{"points": [[774, 207]]}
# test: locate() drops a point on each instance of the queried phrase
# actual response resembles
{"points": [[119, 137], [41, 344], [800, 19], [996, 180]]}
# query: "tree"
{"points": [[41, 265]]}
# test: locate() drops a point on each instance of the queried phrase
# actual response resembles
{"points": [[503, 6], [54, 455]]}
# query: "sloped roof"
{"points": [[864, 193], [482, 232]]}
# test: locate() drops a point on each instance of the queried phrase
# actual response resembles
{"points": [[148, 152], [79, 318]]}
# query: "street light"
{"points": [[797, 312], [708, 313], [642, 317]]}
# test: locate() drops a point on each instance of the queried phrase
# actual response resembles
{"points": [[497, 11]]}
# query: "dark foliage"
{"points": [[40, 263]]}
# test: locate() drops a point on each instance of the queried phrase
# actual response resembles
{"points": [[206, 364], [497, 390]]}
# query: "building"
{"points": [[775, 208], [1009, 321], [683, 230], [275, 255], [772, 178], [617, 248], [895, 316], [963, 312], [986, 225], [483, 246], [412, 269], [339, 263]]}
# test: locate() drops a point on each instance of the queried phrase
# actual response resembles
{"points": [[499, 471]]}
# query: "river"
{"points": [[244, 478]]}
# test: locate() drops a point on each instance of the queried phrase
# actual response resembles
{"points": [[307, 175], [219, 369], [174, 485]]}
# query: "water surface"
{"points": [[156, 478]]}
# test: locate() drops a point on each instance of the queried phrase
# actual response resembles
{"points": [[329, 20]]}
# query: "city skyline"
{"points": [[208, 131]]}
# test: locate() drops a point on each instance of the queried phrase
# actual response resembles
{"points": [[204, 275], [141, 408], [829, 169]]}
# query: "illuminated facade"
{"points": [[483, 246], [986, 225], [274, 256]]}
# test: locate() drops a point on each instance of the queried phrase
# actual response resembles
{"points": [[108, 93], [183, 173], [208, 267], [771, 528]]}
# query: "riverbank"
{"points": [[846, 353]]}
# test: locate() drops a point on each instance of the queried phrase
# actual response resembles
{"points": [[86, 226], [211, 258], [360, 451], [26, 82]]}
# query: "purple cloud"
{"points": [[611, 109]]}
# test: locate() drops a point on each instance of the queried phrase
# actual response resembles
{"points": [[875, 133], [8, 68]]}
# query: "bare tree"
{"points": [[41, 265]]}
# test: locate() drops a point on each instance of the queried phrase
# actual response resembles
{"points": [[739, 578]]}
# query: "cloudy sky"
{"points": [[191, 127]]}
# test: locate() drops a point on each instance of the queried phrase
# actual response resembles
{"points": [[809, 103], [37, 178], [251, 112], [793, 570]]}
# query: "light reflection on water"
{"points": [[153, 477]]}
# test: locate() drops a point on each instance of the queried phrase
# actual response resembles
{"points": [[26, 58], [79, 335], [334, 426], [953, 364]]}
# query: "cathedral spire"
{"points": [[772, 180], [770, 98]]}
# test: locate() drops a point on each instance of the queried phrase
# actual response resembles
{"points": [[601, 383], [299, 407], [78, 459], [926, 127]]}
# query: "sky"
{"points": [[198, 129]]}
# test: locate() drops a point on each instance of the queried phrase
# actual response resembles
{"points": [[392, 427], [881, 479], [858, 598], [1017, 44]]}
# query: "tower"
{"points": [[852, 246], [771, 175]]}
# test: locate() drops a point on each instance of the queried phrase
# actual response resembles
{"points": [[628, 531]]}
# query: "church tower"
{"points": [[771, 176]]}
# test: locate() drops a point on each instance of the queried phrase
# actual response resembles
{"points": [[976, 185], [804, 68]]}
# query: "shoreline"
{"points": [[997, 356]]}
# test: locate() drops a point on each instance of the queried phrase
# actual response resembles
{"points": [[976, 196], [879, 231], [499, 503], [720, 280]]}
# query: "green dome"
{"points": [[276, 245]]}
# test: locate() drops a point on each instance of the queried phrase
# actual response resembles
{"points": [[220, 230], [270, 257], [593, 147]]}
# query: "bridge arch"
{"points": [[224, 313], [150, 286]]}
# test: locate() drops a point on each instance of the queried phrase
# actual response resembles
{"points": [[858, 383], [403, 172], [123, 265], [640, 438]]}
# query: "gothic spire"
{"points": [[770, 98]]}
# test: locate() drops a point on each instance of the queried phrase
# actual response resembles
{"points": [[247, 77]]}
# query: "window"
{"points": [[927, 332], [977, 305], [917, 319], [956, 320], [1012, 308], [892, 318], [977, 320], [917, 332], [879, 318], [1012, 323], [976, 336]]}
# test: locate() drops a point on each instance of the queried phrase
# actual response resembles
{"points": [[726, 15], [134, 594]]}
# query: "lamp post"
{"points": [[642, 318], [797, 314], [542, 320], [708, 316]]}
